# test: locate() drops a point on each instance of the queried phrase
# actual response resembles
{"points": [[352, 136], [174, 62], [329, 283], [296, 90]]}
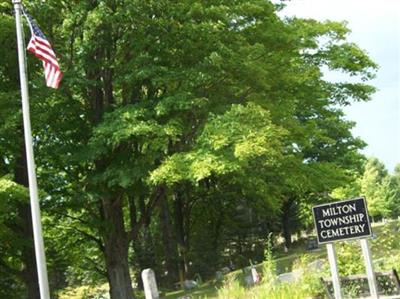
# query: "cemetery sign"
{"points": [[342, 220]]}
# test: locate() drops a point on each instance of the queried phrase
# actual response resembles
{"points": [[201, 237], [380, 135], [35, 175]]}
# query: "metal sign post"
{"points": [[340, 221], [370, 270], [334, 270]]}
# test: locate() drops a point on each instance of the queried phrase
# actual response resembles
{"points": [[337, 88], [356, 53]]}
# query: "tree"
{"points": [[391, 190], [372, 187], [12, 195]]}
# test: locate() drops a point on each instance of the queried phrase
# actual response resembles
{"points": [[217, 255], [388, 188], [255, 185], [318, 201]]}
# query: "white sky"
{"points": [[375, 26]]}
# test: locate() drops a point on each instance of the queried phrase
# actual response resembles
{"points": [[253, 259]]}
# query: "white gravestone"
{"points": [[255, 275], [290, 277], [149, 284], [189, 284]]}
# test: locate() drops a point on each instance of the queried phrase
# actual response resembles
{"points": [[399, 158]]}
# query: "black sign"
{"points": [[342, 220]]}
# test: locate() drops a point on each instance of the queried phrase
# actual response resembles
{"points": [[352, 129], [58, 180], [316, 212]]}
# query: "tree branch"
{"points": [[154, 201], [96, 268], [91, 237]]}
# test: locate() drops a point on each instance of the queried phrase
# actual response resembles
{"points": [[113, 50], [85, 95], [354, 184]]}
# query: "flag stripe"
{"points": [[36, 45], [46, 53], [43, 56], [42, 41]]}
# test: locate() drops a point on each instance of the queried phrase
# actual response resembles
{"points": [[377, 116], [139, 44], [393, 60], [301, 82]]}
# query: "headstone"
{"points": [[150, 284], [286, 277], [231, 265], [189, 284], [255, 275], [247, 277], [219, 276], [290, 277], [248, 280], [316, 265], [312, 243]]}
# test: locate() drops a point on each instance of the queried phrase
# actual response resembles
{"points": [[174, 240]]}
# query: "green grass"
{"points": [[207, 290]]}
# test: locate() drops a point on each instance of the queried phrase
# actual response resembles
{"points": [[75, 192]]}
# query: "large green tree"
{"points": [[392, 185], [372, 187]]}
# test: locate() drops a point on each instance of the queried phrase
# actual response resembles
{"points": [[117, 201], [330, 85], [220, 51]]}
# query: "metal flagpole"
{"points": [[37, 226]]}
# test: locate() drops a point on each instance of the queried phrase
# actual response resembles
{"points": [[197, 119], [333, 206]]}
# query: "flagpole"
{"points": [[33, 190]]}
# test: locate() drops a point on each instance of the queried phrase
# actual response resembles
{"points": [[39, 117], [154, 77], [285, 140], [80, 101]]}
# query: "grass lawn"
{"points": [[207, 290]]}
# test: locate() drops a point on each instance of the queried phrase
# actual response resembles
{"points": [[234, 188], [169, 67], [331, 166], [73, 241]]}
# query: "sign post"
{"points": [[370, 270], [334, 270], [345, 220]]}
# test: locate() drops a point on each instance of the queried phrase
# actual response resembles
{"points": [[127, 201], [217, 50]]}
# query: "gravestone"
{"points": [[189, 285], [316, 265], [286, 277], [251, 276], [248, 280], [255, 275], [150, 284], [219, 276], [312, 243], [290, 277], [247, 277]]}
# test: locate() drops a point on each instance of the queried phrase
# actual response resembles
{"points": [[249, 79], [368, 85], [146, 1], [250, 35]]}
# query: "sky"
{"points": [[375, 28]]}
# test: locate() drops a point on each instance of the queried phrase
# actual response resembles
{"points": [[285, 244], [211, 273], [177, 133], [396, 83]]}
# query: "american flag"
{"points": [[42, 49]]}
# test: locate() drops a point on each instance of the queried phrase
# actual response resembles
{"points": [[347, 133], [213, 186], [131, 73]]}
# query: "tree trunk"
{"points": [[142, 243], [116, 250], [116, 241], [286, 223], [181, 234], [169, 242], [29, 271], [144, 254]]}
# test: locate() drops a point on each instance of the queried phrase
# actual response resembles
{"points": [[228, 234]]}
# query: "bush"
{"points": [[350, 258]]}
